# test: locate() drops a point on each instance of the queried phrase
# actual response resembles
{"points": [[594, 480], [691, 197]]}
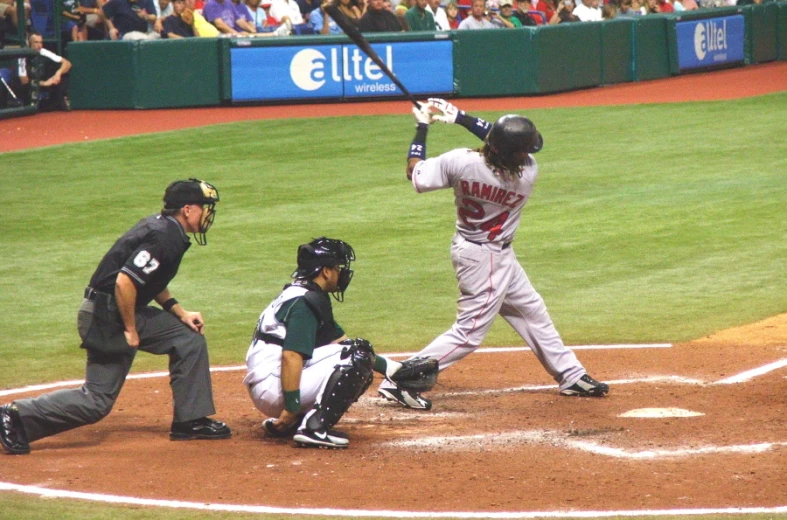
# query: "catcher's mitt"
{"points": [[418, 374]]}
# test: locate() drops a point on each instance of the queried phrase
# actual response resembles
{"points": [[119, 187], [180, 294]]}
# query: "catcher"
{"points": [[304, 372]]}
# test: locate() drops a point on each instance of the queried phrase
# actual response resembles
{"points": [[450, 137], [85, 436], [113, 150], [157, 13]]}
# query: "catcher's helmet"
{"points": [[510, 141], [326, 252], [194, 191]]}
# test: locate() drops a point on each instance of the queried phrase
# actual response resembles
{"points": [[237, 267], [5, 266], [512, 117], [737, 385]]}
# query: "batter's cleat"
{"points": [[204, 428], [586, 386], [12, 431], [321, 438], [406, 398]]}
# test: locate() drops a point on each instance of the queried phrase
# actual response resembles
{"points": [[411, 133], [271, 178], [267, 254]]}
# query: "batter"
{"points": [[491, 185]]}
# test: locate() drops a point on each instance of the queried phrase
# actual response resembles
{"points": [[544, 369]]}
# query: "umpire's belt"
{"points": [[90, 293], [505, 245], [268, 338]]}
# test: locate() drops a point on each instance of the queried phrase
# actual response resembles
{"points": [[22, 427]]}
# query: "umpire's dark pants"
{"points": [[159, 333]]}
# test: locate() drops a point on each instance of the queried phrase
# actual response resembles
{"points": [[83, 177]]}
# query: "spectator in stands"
{"points": [[94, 23], [288, 11], [478, 18], [8, 11], [72, 23], [438, 13], [223, 15], [419, 18], [565, 12], [180, 24], [665, 6], [129, 19], [609, 12], [522, 14], [43, 79], [379, 19], [244, 20], [505, 18], [317, 20], [307, 6], [352, 11], [626, 9], [691, 5], [264, 23], [164, 8], [452, 15], [202, 27], [657, 6], [588, 11]]}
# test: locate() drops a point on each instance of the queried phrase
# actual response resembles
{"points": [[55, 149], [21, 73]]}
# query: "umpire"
{"points": [[115, 321]]}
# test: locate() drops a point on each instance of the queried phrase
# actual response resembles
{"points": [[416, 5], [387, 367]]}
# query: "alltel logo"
{"points": [[310, 68], [710, 36]]}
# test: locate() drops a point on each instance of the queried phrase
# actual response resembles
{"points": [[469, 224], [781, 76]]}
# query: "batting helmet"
{"points": [[326, 252], [510, 141], [194, 191]]}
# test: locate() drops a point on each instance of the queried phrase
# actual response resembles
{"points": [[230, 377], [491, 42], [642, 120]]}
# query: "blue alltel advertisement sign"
{"points": [[341, 70], [710, 42]]}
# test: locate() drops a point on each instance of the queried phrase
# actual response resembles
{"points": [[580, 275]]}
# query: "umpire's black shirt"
{"points": [[149, 253]]}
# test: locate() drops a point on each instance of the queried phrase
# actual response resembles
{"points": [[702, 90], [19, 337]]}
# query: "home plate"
{"points": [[654, 413]]}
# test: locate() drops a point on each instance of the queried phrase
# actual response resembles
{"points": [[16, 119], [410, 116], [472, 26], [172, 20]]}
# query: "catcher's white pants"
{"points": [[491, 282], [263, 379]]}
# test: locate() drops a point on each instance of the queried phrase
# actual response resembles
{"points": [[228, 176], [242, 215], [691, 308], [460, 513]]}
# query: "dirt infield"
{"points": [[79, 126], [499, 437], [493, 442]]}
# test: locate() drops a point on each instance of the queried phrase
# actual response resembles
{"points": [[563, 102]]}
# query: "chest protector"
{"points": [[271, 330]]}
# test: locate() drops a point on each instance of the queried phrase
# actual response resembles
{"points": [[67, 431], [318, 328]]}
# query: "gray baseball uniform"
{"points": [[491, 280]]}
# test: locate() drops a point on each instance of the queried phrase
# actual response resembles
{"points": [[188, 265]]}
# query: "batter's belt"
{"points": [[505, 245]]}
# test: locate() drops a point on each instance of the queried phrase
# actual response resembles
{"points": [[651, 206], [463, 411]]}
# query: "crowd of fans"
{"points": [[151, 19], [42, 80]]}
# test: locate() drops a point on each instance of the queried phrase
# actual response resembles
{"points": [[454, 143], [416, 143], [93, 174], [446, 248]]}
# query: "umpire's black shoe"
{"points": [[586, 386], [12, 431], [204, 428]]}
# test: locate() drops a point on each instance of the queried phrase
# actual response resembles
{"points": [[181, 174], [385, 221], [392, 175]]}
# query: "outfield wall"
{"points": [[482, 63]]}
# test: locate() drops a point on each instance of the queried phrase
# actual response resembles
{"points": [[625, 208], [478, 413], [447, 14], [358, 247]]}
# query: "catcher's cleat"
{"points": [[321, 438], [12, 431], [586, 386], [406, 398], [204, 428]]}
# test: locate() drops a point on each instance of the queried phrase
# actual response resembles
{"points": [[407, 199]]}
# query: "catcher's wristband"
{"points": [[418, 146], [475, 125], [292, 401]]}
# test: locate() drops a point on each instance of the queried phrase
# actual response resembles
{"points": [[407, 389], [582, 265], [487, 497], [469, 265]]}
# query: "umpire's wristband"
{"points": [[167, 305], [418, 146], [475, 125], [292, 401]]}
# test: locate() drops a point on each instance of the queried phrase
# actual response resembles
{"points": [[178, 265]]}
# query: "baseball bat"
{"points": [[355, 35], [10, 91]]}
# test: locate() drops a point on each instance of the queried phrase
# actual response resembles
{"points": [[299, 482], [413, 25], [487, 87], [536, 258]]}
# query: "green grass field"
{"points": [[649, 223]]}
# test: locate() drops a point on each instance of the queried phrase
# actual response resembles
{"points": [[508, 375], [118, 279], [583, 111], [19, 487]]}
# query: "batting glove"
{"points": [[447, 113], [423, 115]]}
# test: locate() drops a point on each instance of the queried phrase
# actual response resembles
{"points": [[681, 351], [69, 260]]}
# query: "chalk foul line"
{"points": [[176, 504]]}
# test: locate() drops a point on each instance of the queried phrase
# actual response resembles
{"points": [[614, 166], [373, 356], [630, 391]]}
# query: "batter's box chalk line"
{"points": [[564, 440]]}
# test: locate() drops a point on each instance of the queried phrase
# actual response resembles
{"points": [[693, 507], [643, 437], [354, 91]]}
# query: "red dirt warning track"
{"points": [[85, 125]]}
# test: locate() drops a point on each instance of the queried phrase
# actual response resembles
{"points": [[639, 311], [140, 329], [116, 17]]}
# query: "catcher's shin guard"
{"points": [[344, 386]]}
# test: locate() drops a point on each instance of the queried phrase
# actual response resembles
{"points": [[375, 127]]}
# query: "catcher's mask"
{"points": [[326, 252], [194, 191], [509, 143]]}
